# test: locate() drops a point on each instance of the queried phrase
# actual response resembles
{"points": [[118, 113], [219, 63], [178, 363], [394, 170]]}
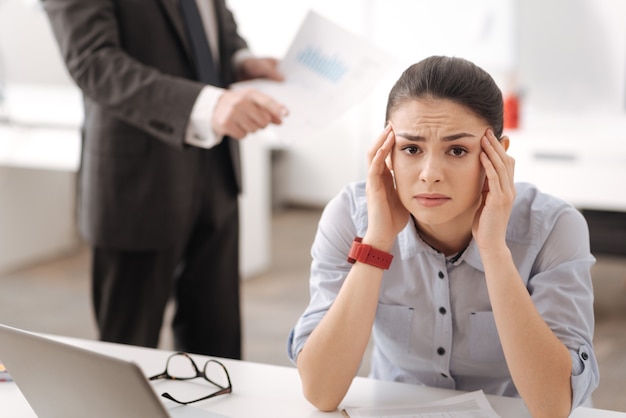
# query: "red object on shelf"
{"points": [[511, 112]]}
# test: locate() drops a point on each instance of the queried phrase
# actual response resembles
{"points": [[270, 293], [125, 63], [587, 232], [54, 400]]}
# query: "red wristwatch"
{"points": [[369, 255]]}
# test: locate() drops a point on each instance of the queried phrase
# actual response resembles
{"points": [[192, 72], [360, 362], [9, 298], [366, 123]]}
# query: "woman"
{"points": [[489, 287]]}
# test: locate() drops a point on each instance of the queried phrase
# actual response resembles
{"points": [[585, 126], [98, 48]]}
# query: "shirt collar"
{"points": [[471, 256], [410, 244]]}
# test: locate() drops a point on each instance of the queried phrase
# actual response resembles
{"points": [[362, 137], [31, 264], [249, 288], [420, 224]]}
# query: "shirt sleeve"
{"points": [[562, 291], [199, 131], [341, 220]]}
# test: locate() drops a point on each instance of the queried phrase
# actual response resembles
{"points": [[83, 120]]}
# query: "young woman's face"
{"points": [[436, 163]]}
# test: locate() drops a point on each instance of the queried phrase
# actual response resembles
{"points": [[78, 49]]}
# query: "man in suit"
{"points": [[160, 175]]}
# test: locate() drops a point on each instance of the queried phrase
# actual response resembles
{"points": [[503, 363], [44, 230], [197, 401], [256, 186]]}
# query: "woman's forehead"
{"points": [[418, 113]]}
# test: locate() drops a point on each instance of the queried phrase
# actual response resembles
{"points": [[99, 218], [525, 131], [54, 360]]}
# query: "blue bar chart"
{"points": [[329, 67]]}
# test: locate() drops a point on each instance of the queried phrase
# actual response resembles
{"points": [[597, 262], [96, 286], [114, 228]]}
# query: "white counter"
{"points": [[39, 160], [580, 160]]}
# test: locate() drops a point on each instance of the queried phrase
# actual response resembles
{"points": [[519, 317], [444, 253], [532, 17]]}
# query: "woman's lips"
{"points": [[432, 199]]}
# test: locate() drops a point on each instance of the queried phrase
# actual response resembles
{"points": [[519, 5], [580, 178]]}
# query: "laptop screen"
{"points": [[62, 380]]}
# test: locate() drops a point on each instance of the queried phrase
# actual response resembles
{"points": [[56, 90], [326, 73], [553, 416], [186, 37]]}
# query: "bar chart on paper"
{"points": [[327, 70], [331, 67]]}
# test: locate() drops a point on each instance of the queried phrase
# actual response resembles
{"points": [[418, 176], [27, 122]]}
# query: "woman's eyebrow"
{"points": [[447, 138]]}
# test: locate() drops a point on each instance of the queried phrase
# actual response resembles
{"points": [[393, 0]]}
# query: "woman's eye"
{"points": [[457, 151], [410, 149]]}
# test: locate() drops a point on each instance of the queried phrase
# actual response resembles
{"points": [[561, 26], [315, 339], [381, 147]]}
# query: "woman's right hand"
{"points": [[387, 216]]}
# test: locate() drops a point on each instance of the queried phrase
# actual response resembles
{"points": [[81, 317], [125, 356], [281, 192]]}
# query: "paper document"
{"points": [[327, 70], [468, 405]]}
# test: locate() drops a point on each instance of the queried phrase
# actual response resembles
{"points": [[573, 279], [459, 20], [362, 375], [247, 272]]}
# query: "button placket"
{"points": [[443, 328]]}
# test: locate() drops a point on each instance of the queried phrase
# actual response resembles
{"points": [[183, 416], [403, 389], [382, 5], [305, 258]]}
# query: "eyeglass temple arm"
{"points": [[159, 376], [221, 392]]}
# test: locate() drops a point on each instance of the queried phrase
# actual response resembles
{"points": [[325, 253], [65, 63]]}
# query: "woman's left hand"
{"points": [[492, 217]]}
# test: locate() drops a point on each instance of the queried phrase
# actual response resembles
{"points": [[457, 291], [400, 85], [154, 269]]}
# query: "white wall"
{"points": [[572, 55], [567, 57], [28, 51], [317, 167]]}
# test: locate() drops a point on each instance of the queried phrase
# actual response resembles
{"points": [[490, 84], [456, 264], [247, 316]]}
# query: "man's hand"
{"points": [[260, 68], [240, 112]]}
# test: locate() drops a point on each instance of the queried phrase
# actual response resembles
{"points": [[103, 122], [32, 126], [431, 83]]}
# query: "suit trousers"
{"points": [[200, 272]]}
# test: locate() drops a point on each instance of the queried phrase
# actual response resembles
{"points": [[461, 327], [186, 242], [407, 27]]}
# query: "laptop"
{"points": [[62, 380]]}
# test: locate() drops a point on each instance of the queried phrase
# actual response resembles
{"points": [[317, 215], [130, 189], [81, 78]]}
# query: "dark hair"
{"points": [[454, 79]]}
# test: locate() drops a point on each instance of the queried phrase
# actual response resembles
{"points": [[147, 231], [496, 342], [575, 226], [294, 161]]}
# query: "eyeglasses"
{"points": [[180, 366]]}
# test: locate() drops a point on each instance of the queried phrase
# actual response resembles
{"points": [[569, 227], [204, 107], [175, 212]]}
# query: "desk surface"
{"points": [[262, 390]]}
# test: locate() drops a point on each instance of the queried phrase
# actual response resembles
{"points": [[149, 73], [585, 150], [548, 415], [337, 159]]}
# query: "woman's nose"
{"points": [[431, 170]]}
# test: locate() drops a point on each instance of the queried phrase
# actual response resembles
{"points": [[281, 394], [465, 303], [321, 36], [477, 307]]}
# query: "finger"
{"points": [[507, 160], [274, 73], [255, 118], [490, 171], [276, 109], [493, 149], [247, 124], [379, 143], [269, 69], [387, 146], [233, 130], [378, 164]]}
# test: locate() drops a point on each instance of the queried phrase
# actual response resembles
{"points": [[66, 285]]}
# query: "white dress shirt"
{"points": [[434, 323], [199, 132]]}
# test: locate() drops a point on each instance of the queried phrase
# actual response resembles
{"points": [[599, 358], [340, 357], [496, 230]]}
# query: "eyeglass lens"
{"points": [[182, 367], [215, 373]]}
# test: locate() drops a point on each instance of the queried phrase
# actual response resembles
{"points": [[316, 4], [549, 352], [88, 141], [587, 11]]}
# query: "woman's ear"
{"points": [[505, 141]]}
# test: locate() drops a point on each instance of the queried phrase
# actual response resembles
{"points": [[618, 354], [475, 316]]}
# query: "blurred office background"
{"points": [[564, 59]]}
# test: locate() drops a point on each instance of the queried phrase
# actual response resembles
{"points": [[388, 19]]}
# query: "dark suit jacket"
{"points": [[132, 61]]}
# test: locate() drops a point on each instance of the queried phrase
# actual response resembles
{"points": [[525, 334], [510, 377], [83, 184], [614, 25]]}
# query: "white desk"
{"points": [[261, 390]]}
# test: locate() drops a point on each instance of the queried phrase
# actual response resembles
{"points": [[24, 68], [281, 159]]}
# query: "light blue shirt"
{"points": [[434, 325]]}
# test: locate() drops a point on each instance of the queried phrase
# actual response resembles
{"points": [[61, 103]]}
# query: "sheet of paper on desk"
{"points": [[186, 411], [327, 70], [468, 405]]}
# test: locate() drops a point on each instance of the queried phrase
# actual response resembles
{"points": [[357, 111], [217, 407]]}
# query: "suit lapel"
{"points": [[172, 12]]}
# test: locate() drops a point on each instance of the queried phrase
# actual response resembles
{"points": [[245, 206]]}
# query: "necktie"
{"points": [[207, 72]]}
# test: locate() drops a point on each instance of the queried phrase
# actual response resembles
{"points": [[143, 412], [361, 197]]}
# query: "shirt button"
{"points": [[584, 356], [442, 310], [441, 351], [441, 276]]}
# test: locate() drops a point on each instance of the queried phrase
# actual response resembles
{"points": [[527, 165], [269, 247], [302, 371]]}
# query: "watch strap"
{"points": [[369, 255]]}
